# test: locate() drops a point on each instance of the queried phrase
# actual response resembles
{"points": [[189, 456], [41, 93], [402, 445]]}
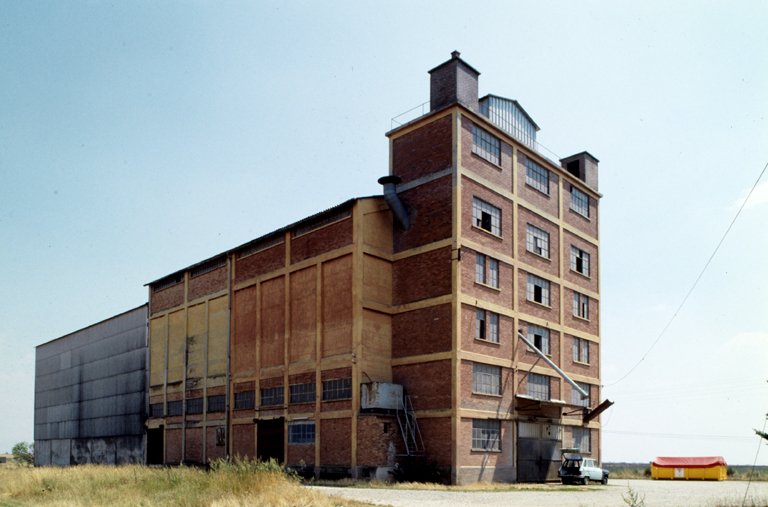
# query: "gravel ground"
{"points": [[657, 494]]}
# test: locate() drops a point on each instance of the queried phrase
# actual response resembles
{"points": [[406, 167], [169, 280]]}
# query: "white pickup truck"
{"points": [[577, 469]]}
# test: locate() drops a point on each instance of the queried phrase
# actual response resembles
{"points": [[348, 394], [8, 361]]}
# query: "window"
{"points": [[487, 271], [579, 261], [221, 436], [487, 326], [302, 393], [539, 336], [272, 396], [486, 435], [337, 389], [156, 410], [538, 386], [485, 145], [301, 432], [217, 403], [579, 202], [486, 379], [580, 350], [537, 241], [195, 406], [245, 400], [582, 440], [486, 217], [174, 408], [536, 176], [580, 305], [538, 290], [576, 395]]}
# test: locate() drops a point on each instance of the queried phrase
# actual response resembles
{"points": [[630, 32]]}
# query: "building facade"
{"points": [[276, 348]]}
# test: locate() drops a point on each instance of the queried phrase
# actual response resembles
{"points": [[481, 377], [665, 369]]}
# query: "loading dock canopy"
{"points": [[703, 462]]}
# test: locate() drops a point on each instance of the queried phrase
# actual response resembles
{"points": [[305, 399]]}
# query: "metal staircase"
{"points": [[409, 427]]}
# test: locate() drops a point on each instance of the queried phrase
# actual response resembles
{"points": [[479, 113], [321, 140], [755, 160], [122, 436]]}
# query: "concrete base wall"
{"points": [[469, 475], [79, 451]]}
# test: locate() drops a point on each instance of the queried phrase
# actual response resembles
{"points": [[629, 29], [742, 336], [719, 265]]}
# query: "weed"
{"points": [[633, 498]]}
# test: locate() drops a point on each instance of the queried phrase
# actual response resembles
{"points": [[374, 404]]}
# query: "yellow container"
{"points": [[714, 473]]}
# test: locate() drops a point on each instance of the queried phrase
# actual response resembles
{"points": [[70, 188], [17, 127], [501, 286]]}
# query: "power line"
{"points": [[677, 435], [697, 279]]}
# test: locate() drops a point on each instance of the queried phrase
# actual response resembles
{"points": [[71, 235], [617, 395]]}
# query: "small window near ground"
{"points": [[582, 440], [301, 432], [486, 435]]}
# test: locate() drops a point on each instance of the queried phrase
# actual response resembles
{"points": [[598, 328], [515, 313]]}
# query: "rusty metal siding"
{"points": [[90, 393]]}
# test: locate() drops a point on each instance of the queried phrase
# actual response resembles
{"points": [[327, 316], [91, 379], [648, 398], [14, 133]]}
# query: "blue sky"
{"points": [[139, 138]]}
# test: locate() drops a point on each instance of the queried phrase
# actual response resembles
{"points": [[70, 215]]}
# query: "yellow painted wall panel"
{"points": [[218, 321], [377, 280], [176, 339], [377, 334], [337, 306], [158, 335], [378, 230], [196, 338]]}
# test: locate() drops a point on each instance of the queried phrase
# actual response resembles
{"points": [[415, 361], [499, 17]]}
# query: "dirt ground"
{"points": [[657, 494]]}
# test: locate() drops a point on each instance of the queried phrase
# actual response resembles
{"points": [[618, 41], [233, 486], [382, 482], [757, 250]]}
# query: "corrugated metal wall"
{"points": [[90, 393]]}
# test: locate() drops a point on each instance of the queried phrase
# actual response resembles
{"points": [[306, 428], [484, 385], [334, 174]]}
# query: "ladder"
{"points": [[409, 428]]}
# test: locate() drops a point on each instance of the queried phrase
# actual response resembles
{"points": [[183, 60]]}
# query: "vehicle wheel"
{"points": [[585, 481], [604, 481]]}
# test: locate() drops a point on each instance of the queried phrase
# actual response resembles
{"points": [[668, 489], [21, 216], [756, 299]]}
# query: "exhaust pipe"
{"points": [[390, 195]]}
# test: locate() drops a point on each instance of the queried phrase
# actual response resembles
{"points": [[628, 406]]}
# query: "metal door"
{"points": [[538, 451]]}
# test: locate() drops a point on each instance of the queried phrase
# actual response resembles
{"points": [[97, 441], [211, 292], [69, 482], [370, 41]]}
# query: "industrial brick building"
{"points": [[447, 321]]}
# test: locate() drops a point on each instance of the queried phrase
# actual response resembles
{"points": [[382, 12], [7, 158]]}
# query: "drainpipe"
{"points": [[390, 195]]}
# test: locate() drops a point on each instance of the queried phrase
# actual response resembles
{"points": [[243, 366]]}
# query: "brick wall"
{"points": [[422, 331], [501, 296], [321, 240], [374, 446], [193, 445], [587, 225], [548, 203], [470, 190], [243, 440], [301, 452], [436, 433], [429, 208], [587, 326], [336, 442], [590, 282], [423, 151], [588, 370], [167, 298], [428, 384], [208, 283], [244, 316], [422, 276], [260, 263], [213, 451], [173, 446]]}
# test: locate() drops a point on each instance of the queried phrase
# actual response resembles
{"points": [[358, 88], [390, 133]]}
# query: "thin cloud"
{"points": [[758, 198]]}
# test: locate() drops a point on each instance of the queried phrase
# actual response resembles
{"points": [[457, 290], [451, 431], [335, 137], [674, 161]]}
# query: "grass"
{"points": [[497, 487], [227, 485]]}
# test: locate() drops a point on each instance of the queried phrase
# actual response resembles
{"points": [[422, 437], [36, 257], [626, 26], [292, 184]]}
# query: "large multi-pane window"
{"points": [[538, 386], [195, 406], [580, 350], [272, 396], [486, 270], [175, 407], [580, 305], [245, 400], [537, 241], [486, 434], [302, 393], [486, 379], [579, 261], [302, 432], [217, 403], [486, 216], [485, 145], [581, 439], [579, 202], [536, 176], [539, 336], [538, 290], [337, 389], [576, 398], [487, 326], [156, 410]]}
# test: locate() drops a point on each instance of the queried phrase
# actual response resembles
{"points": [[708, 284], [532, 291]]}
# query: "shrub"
{"points": [[24, 453]]}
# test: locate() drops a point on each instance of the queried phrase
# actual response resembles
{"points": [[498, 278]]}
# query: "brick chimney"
{"points": [[452, 82]]}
